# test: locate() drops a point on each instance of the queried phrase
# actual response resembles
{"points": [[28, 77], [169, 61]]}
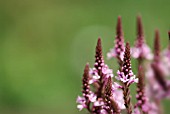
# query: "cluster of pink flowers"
{"points": [[104, 93]]}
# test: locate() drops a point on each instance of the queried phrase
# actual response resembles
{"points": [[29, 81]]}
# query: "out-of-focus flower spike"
{"points": [[140, 34], [157, 46], [118, 50], [166, 58], [119, 30], [142, 100], [158, 72], [99, 61], [141, 50], [141, 83], [159, 76], [111, 105], [139, 26]]}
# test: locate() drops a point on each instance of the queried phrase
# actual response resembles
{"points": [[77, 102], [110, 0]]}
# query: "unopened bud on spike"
{"points": [[139, 26], [119, 26], [99, 61]]}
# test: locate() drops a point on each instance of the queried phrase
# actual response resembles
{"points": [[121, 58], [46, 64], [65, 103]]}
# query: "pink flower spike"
{"points": [[141, 49], [157, 46], [99, 61], [118, 49]]}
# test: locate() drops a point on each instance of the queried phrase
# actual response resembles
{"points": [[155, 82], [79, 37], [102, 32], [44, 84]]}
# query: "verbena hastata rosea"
{"points": [[103, 95]]}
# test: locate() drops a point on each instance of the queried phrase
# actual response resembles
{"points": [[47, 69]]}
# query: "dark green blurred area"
{"points": [[44, 45]]}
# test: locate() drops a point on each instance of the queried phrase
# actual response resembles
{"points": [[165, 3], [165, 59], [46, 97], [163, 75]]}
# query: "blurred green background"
{"points": [[44, 45]]}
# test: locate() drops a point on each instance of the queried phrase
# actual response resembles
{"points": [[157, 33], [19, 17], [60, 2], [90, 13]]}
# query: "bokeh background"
{"points": [[44, 45]]}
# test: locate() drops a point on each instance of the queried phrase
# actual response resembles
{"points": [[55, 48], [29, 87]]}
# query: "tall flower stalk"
{"points": [[141, 52], [99, 67], [159, 75], [99, 64], [142, 99], [127, 77]]}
